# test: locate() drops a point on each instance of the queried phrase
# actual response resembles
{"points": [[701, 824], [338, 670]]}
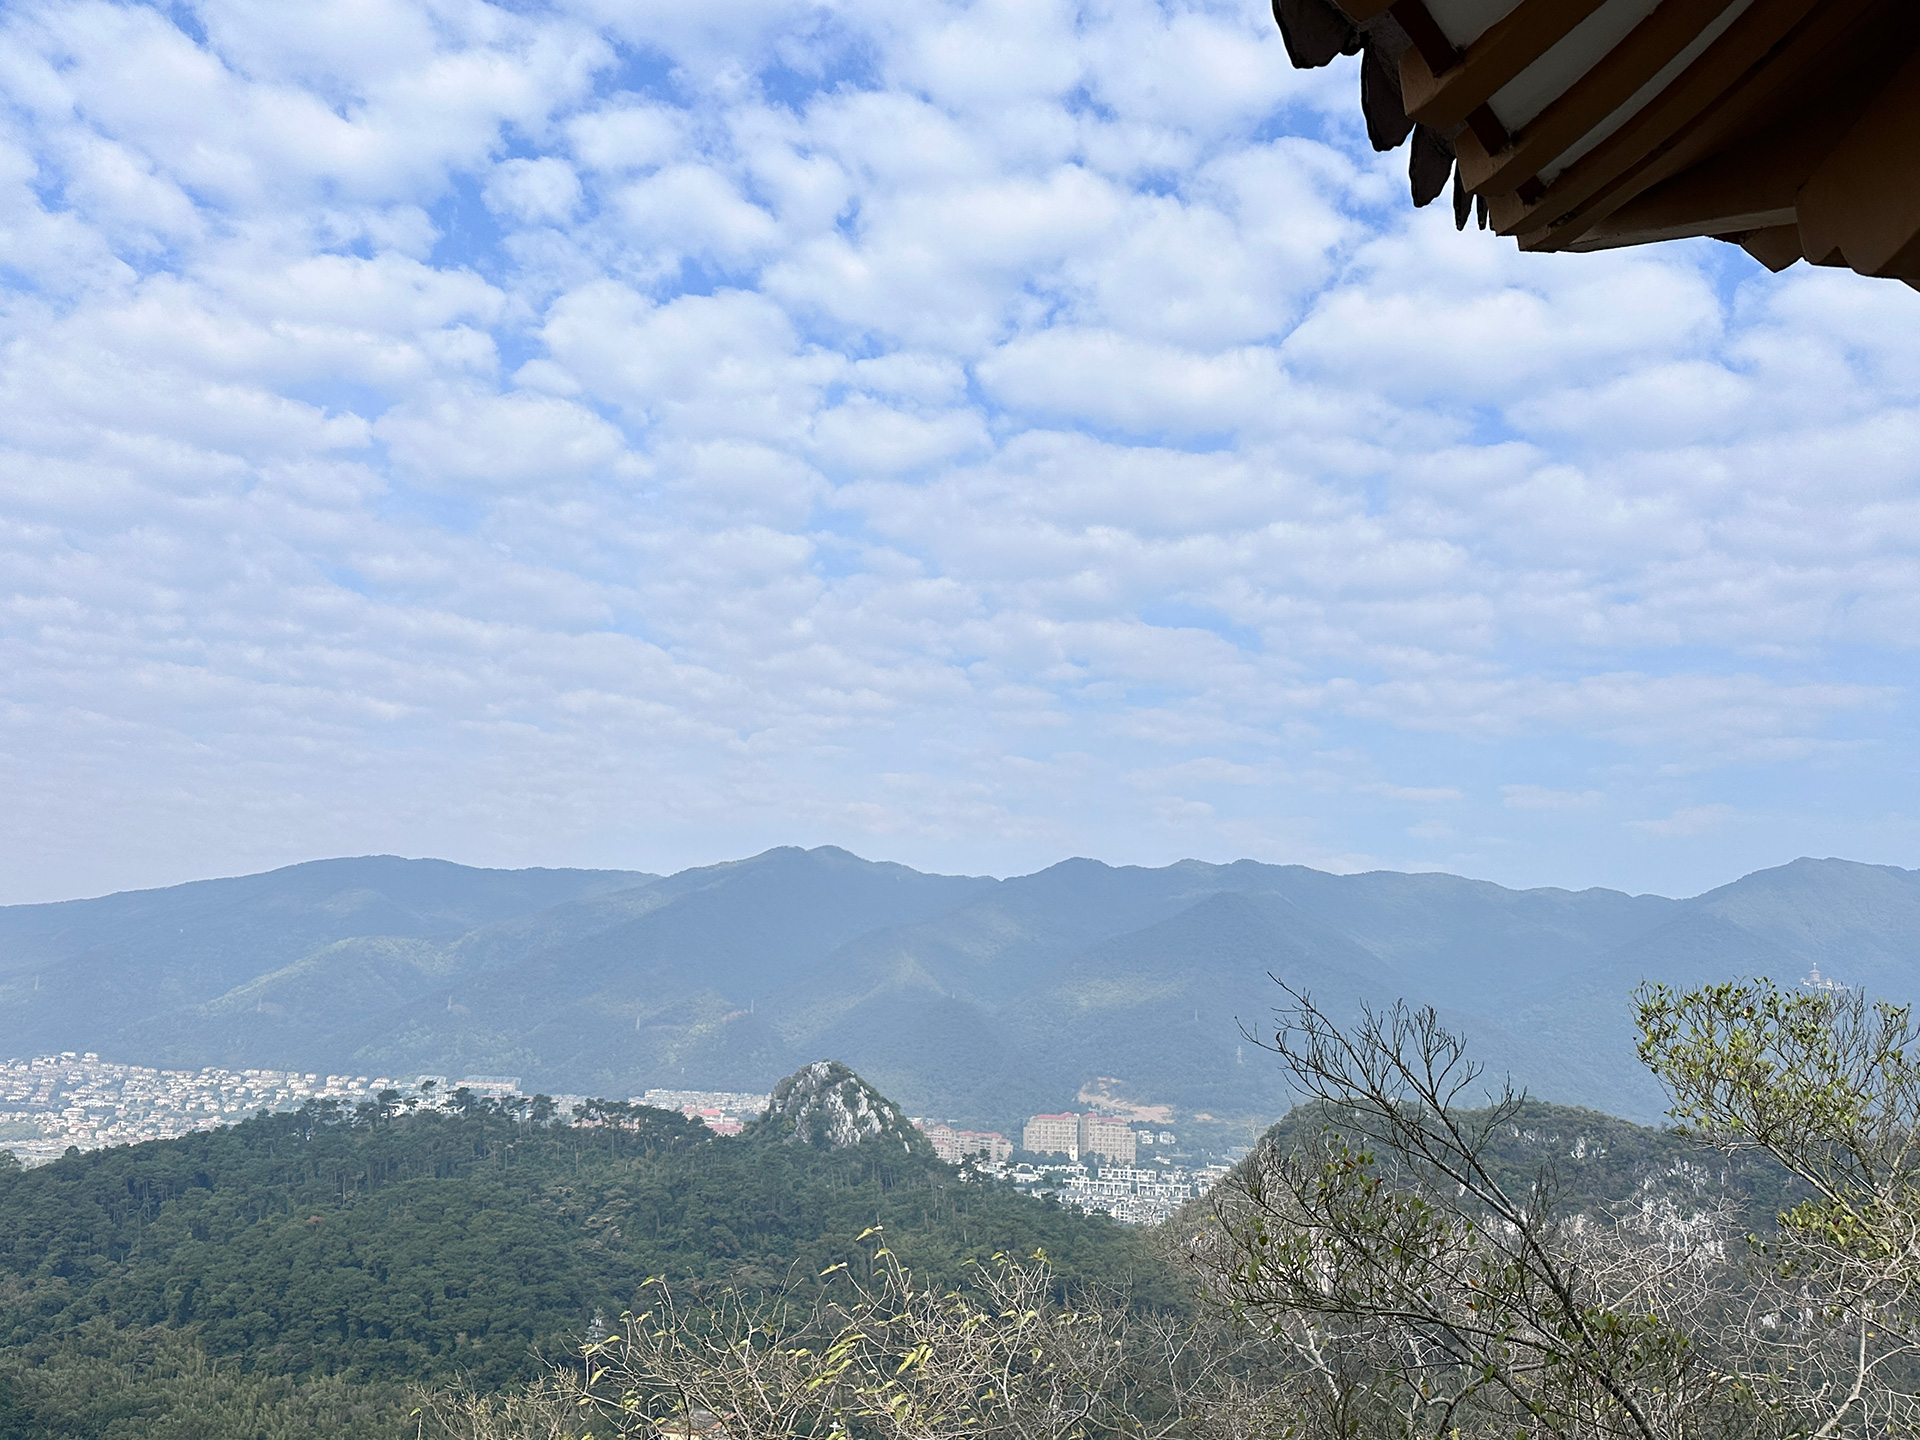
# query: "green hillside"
{"points": [[408, 1247], [1591, 1160], [299, 1274], [302, 1274], [88, 974]]}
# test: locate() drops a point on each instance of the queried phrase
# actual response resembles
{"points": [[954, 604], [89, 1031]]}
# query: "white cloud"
{"points": [[543, 191], [859, 435], [928, 378], [991, 55], [1132, 386], [729, 363], [1459, 317], [499, 440], [1414, 794], [693, 210], [1687, 822], [387, 293], [1540, 797], [627, 137]]}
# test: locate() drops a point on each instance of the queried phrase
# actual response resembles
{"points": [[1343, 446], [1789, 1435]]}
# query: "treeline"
{"points": [[157, 1383]]}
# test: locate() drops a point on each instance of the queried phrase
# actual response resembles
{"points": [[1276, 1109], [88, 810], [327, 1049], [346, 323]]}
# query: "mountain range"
{"points": [[968, 997]]}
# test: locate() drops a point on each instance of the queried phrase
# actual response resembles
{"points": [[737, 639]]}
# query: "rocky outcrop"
{"points": [[826, 1104]]}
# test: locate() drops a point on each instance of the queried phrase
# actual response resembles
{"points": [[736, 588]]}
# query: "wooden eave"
{"points": [[1791, 127]]}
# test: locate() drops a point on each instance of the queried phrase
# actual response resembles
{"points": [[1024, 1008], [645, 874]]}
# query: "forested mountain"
{"points": [[334, 1259], [87, 974], [969, 997], [410, 1247]]}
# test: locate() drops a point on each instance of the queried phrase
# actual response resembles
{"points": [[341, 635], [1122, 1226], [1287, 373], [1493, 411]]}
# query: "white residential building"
{"points": [[953, 1145]]}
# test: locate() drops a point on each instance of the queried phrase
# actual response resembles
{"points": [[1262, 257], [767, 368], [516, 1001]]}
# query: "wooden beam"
{"points": [[1487, 129], [1863, 203], [1760, 70], [1611, 83], [1750, 185], [1445, 99], [1424, 31], [1752, 221], [1776, 247], [1768, 35]]}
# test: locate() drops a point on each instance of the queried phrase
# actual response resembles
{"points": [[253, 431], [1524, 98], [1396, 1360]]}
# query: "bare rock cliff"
{"points": [[827, 1104]]}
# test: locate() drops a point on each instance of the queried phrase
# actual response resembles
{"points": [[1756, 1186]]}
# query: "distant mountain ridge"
{"points": [[963, 996]]}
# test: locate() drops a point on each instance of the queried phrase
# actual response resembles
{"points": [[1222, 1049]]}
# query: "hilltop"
{"points": [[971, 998], [328, 1259]]}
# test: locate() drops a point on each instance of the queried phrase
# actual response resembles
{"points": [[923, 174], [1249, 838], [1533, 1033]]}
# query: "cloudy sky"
{"points": [[973, 434]]}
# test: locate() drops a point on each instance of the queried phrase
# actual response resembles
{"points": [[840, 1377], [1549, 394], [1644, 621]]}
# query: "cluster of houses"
{"points": [[77, 1099], [52, 1102], [1097, 1169], [725, 1112], [1138, 1197], [1143, 1195]]}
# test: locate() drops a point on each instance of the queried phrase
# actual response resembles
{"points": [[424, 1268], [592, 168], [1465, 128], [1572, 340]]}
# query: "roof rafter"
{"points": [[1508, 46], [1791, 127], [1752, 64]]}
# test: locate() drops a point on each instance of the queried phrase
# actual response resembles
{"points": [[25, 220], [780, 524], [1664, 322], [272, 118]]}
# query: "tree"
{"points": [[1416, 1293], [15, 1421], [1828, 1084]]}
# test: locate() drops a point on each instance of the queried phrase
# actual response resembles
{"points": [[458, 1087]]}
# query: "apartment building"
{"points": [[1108, 1137], [953, 1145], [1052, 1135]]}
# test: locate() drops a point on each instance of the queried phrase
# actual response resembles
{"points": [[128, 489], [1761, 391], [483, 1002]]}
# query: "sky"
{"points": [[972, 434]]}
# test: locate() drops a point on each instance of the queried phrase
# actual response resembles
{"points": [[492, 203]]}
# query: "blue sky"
{"points": [[972, 434]]}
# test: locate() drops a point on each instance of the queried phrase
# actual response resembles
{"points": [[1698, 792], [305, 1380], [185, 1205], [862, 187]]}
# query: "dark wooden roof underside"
{"points": [[1789, 127]]}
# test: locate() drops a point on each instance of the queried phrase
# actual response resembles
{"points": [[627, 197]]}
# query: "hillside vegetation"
{"points": [[308, 1273], [409, 1247], [299, 1274]]}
